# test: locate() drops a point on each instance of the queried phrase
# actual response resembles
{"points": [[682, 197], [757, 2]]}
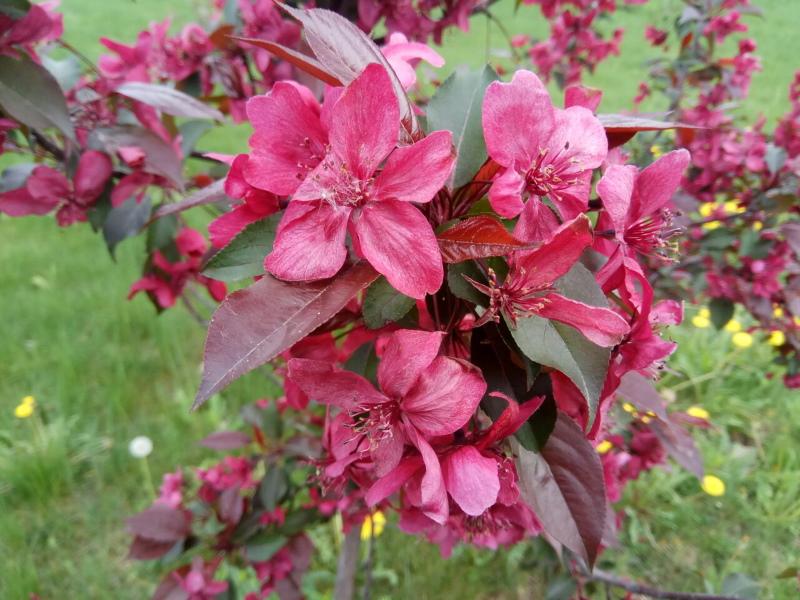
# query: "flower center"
{"points": [[375, 422], [550, 173]]}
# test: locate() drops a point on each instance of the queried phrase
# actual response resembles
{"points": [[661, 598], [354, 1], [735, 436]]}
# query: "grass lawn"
{"points": [[104, 370]]}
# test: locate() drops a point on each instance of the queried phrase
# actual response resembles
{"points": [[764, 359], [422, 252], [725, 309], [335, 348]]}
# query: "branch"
{"points": [[48, 145], [348, 565], [648, 591]]}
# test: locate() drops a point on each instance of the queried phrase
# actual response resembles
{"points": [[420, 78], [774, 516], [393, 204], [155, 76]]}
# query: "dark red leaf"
{"points": [[639, 391], [206, 195], [344, 50], [252, 326], [477, 237], [160, 523], [147, 549], [564, 486], [621, 128], [302, 61], [170, 587], [679, 444], [231, 505], [226, 440]]}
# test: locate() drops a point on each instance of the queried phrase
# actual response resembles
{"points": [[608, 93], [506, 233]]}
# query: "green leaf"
{"points": [[462, 288], [383, 304], [721, 311], [364, 361], [16, 9], [273, 487], [456, 107], [564, 348], [244, 256], [161, 233], [32, 96], [264, 546], [124, 221], [66, 71], [191, 132]]}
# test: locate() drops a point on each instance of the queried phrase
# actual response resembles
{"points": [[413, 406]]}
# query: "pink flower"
{"points": [[199, 582], [543, 151], [344, 194], [634, 202], [404, 56], [256, 205], [422, 395], [655, 36], [528, 288], [47, 189]]}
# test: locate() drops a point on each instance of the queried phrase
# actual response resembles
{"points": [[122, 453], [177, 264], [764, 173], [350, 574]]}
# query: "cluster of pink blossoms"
{"points": [[741, 246]]}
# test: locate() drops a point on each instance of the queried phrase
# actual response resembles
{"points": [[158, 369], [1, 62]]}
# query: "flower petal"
{"points": [[408, 353], [600, 325], [615, 188], [46, 184], [517, 118], [471, 480], [657, 183], [505, 195], [366, 122], [444, 397], [309, 244], [94, 169], [393, 481], [225, 227], [325, 383], [398, 241], [432, 489], [551, 260], [415, 173], [578, 137], [289, 140], [20, 202]]}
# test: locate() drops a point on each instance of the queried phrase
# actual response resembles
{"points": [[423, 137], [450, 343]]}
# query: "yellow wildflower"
{"points": [[701, 322], [23, 410], [377, 520], [707, 209], [656, 151], [628, 407], [777, 312], [776, 338], [711, 225], [604, 447], [733, 326], [704, 312], [713, 485], [732, 207], [697, 412], [796, 321], [758, 226], [742, 339]]}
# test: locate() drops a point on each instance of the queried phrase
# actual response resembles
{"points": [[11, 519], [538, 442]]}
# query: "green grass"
{"points": [[104, 370]]}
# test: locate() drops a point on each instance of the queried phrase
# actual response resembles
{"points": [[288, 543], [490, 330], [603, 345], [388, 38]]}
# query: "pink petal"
{"points": [[130, 186], [578, 95], [19, 203], [536, 223], [415, 173], [226, 227], [505, 195], [387, 453], [400, 48], [393, 481], [615, 188], [432, 489], [444, 397], [398, 241], [310, 242], [94, 170], [600, 325], [48, 185], [325, 383], [657, 183], [408, 353], [579, 137], [366, 122], [517, 118], [556, 256], [288, 142], [471, 480]]}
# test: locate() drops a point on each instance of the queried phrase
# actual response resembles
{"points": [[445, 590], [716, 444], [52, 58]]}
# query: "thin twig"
{"points": [[48, 145], [649, 591]]}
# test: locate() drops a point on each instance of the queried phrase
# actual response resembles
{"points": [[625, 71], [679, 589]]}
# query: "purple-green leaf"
{"points": [[563, 484], [168, 100], [252, 326]]}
